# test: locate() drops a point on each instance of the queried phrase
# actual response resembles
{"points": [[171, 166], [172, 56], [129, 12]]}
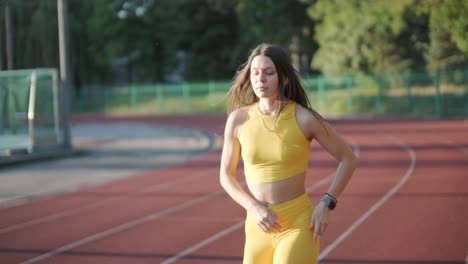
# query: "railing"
{"points": [[437, 94]]}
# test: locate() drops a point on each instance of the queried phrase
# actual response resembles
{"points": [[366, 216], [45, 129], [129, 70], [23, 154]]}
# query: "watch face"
{"points": [[329, 202]]}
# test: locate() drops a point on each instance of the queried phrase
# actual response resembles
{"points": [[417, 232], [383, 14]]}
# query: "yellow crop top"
{"points": [[273, 152]]}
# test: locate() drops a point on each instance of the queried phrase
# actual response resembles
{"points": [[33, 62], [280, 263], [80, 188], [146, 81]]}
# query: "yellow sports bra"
{"points": [[273, 150]]}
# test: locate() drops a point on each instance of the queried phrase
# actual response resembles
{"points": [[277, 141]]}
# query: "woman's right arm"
{"points": [[229, 161], [230, 156]]}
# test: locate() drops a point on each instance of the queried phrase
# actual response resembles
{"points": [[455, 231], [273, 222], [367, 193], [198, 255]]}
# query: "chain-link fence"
{"points": [[432, 94]]}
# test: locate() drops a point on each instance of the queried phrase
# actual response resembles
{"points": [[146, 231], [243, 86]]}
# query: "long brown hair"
{"points": [[290, 87]]}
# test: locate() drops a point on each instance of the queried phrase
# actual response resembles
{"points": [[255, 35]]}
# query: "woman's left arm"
{"points": [[334, 144]]}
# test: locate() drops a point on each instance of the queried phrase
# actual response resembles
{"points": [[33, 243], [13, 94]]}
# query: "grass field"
{"points": [[419, 102]]}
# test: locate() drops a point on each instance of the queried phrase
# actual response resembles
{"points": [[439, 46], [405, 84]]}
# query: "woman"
{"points": [[271, 126]]}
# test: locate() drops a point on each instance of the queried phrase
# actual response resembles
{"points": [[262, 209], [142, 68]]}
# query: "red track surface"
{"points": [[407, 203]]}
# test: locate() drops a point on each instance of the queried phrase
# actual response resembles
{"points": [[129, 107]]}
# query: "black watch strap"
{"points": [[329, 201]]}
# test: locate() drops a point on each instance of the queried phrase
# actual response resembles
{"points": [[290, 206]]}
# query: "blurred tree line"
{"points": [[378, 36], [147, 41]]}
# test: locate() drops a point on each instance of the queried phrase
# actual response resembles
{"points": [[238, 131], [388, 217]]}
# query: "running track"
{"points": [[407, 203]]}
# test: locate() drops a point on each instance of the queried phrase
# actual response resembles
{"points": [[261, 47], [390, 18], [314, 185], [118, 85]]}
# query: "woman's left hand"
{"points": [[319, 219]]}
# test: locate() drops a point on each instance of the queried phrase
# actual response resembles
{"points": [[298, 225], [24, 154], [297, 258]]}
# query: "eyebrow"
{"points": [[256, 68]]}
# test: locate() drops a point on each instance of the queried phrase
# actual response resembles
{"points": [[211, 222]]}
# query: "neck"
{"points": [[268, 106]]}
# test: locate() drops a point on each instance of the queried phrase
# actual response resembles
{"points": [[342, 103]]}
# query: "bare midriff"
{"points": [[270, 193]]}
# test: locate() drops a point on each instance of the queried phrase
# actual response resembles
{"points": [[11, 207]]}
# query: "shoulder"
{"points": [[236, 118], [309, 123], [305, 115], [239, 115]]}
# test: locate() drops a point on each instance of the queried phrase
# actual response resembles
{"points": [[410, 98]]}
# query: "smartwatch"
{"points": [[329, 201]]}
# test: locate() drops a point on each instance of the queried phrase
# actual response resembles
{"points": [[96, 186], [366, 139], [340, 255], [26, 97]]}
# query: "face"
{"points": [[263, 77]]}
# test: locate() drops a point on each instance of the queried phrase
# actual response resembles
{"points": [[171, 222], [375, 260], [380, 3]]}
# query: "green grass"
{"points": [[336, 103]]}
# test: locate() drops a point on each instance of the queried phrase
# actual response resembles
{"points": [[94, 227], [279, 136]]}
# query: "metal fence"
{"points": [[434, 94]]}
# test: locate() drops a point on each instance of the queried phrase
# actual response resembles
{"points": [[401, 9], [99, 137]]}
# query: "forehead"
{"points": [[262, 62]]}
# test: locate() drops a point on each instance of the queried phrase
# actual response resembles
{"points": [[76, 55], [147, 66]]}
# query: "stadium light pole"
{"points": [[64, 70]]}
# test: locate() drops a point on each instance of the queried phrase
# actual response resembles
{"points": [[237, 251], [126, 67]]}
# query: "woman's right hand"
{"points": [[265, 218]]}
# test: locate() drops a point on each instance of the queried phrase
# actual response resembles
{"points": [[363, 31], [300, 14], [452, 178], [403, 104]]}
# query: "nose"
{"points": [[262, 77]]}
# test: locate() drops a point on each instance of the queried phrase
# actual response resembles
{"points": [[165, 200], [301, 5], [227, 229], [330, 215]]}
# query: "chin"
{"points": [[266, 95], [261, 95]]}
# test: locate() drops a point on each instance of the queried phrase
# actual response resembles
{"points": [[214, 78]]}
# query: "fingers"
{"points": [[322, 228], [316, 231], [312, 227], [270, 227], [270, 224], [318, 227]]}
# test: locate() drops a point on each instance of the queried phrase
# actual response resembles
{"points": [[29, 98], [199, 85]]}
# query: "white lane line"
{"points": [[356, 151], [122, 227], [15, 200], [108, 201], [203, 243], [451, 143], [378, 204], [229, 230], [136, 222], [458, 146], [239, 225]]}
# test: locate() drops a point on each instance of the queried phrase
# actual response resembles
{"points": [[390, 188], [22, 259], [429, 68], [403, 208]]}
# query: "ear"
{"points": [[285, 82]]}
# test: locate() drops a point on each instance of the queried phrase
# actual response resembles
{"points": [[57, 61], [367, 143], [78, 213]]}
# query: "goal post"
{"points": [[30, 111]]}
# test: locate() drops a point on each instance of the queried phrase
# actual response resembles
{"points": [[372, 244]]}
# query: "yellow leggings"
{"points": [[292, 245]]}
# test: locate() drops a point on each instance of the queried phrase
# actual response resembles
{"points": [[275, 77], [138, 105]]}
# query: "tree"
{"points": [[147, 38], [122, 43], [203, 31], [448, 35], [367, 36], [34, 36], [282, 22], [451, 16]]}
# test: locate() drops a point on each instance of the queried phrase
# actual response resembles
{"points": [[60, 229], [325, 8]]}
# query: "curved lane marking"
{"points": [[143, 220], [378, 204], [240, 224], [122, 227]]}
